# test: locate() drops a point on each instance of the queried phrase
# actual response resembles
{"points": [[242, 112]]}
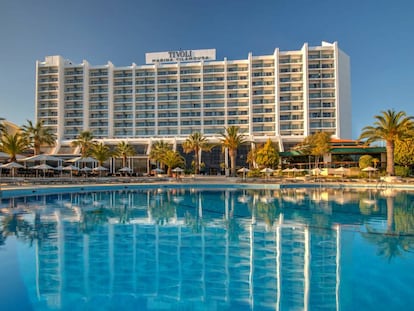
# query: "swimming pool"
{"points": [[208, 248]]}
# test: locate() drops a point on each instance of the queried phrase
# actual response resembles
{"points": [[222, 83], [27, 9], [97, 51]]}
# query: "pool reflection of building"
{"points": [[284, 266]]}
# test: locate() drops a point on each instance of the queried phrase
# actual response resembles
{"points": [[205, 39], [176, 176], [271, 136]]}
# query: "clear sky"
{"points": [[376, 34]]}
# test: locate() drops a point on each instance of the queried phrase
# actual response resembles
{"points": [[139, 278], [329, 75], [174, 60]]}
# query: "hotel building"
{"points": [[284, 96]]}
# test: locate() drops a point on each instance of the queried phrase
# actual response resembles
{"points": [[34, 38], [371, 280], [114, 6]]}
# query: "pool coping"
{"points": [[12, 191]]}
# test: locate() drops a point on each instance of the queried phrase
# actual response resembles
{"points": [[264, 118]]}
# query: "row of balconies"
{"points": [[319, 75], [48, 80], [74, 81], [48, 105], [47, 88], [289, 60], [317, 105], [262, 64], [46, 97], [291, 107], [320, 55], [74, 89], [99, 73], [291, 117], [283, 117], [208, 88], [73, 72], [322, 124], [48, 114], [48, 70], [77, 113], [319, 65], [98, 91], [73, 106], [324, 114]]}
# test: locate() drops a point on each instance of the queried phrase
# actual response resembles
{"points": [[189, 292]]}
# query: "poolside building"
{"points": [[284, 96]]}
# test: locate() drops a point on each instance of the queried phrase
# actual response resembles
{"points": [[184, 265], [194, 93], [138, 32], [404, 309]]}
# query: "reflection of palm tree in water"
{"points": [[15, 225], [162, 210], [266, 211], [398, 237]]}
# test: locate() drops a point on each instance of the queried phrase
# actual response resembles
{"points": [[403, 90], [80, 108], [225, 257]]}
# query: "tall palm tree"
{"points": [[172, 159], [388, 127], [101, 153], [85, 142], [231, 139], [158, 151], [13, 144], [38, 135], [196, 142], [124, 150]]}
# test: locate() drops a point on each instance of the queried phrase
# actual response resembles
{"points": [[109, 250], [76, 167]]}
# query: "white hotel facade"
{"points": [[285, 96]]}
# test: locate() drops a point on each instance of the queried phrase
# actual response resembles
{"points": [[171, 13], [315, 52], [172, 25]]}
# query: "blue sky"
{"points": [[376, 34]]}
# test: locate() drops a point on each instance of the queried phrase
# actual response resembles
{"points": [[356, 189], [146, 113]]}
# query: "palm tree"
{"points": [[13, 144], [231, 140], [388, 127], [38, 135], [158, 151], [124, 150], [85, 142], [196, 142], [172, 159], [101, 153]]}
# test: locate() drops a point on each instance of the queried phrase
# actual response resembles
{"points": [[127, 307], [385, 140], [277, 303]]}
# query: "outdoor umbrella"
{"points": [[42, 157], [369, 169], [267, 171], [70, 168], [178, 171], [287, 170], [243, 170], [85, 169], [157, 170], [12, 166], [42, 167], [125, 169], [100, 169]]}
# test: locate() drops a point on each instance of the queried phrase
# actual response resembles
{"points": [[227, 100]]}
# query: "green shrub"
{"points": [[402, 171]]}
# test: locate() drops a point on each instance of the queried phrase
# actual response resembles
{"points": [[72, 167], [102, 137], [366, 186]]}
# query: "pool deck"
{"points": [[26, 187]]}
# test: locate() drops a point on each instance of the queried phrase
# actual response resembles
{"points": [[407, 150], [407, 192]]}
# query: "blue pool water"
{"points": [[208, 249]]}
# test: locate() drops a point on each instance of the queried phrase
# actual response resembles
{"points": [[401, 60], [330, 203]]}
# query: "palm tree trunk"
{"points": [[390, 157], [36, 149], [197, 164], [124, 160], [232, 163]]}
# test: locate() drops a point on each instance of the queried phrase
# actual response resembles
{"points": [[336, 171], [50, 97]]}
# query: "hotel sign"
{"points": [[180, 56]]}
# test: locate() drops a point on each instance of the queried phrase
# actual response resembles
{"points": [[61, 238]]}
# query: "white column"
{"points": [[305, 78], [110, 67]]}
